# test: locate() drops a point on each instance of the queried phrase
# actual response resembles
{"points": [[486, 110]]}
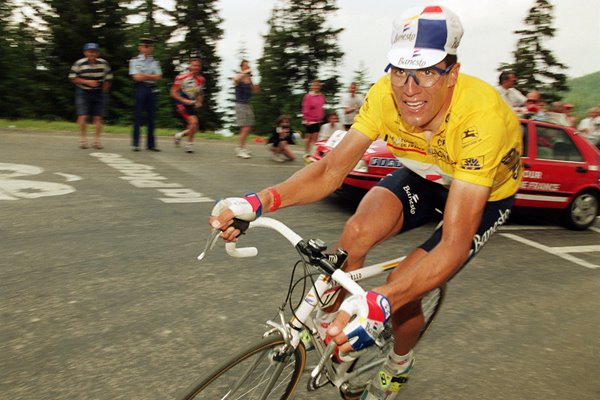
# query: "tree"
{"points": [[299, 47], [198, 23], [535, 66], [71, 23], [17, 64], [362, 79]]}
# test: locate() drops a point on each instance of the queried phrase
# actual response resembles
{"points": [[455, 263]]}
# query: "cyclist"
{"points": [[460, 144], [188, 94]]}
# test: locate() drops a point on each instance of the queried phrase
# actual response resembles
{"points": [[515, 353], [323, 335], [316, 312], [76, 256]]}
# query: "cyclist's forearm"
{"points": [[306, 186], [431, 270], [322, 178]]}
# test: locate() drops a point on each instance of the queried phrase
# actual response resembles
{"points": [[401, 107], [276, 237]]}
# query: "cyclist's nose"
{"points": [[412, 85]]}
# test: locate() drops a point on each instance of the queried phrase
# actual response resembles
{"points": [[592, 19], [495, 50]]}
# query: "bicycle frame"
{"points": [[325, 289]]}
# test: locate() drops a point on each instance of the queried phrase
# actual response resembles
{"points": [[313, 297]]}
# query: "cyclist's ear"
{"points": [[453, 74]]}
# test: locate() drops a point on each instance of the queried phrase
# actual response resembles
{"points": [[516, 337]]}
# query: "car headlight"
{"points": [[361, 166]]}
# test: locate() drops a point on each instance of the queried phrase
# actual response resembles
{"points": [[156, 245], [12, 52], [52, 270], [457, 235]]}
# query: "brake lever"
{"points": [[210, 243]]}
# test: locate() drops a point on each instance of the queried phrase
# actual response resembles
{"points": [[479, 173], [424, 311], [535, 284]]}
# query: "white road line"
{"points": [[562, 252], [528, 227]]}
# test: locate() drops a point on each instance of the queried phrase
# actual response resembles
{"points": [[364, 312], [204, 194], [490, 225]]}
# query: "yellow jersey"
{"points": [[479, 141]]}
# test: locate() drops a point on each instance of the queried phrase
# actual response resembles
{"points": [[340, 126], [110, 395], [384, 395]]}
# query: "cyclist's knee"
{"points": [[358, 234]]}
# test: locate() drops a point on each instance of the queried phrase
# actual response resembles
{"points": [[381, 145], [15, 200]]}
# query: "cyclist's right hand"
{"points": [[246, 208]]}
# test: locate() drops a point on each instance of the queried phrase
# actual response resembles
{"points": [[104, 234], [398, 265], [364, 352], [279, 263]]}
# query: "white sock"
{"points": [[399, 363]]}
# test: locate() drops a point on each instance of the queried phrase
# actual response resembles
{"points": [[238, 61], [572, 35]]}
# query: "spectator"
{"points": [[244, 87], [281, 139], [351, 104], [331, 126], [589, 127], [313, 115], [556, 114], [92, 77], [188, 93], [509, 93], [534, 107], [145, 72], [571, 119]]}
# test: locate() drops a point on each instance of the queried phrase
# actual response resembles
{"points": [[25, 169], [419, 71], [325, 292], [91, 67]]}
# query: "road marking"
{"points": [[527, 227], [563, 252], [69, 177], [144, 176], [15, 189]]}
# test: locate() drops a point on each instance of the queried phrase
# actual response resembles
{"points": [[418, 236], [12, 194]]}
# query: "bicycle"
{"points": [[272, 367]]}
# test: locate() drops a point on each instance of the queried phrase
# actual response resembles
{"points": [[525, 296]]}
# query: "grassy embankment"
{"points": [[67, 127]]}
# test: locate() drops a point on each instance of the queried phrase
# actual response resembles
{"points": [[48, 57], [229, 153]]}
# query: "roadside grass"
{"points": [[65, 126]]}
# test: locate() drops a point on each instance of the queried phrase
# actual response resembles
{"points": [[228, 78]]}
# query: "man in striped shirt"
{"points": [[92, 77]]}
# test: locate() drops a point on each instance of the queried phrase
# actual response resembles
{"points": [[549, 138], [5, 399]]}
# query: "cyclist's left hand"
{"points": [[372, 311]]}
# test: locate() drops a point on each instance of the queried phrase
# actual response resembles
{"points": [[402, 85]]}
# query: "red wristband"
{"points": [[276, 199]]}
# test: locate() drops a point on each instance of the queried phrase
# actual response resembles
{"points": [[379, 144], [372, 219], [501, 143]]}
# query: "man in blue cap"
{"points": [[92, 77]]}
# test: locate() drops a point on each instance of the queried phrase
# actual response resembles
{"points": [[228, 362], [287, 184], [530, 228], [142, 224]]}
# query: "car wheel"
{"points": [[582, 211]]}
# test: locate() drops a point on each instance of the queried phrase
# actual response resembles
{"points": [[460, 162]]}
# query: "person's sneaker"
{"points": [[189, 148], [387, 384], [135, 148], [242, 152], [177, 138], [278, 158], [306, 339]]}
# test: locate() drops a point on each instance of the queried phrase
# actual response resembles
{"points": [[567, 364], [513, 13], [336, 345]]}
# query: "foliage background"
{"points": [[38, 47]]}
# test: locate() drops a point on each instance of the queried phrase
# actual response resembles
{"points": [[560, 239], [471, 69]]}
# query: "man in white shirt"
{"points": [[351, 104], [331, 126], [590, 127], [512, 96]]}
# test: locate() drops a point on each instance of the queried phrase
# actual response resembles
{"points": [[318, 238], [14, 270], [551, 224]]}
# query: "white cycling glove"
{"points": [[246, 208], [372, 311]]}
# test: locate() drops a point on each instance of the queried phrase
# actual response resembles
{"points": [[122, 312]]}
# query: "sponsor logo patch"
{"points": [[470, 136], [472, 163]]}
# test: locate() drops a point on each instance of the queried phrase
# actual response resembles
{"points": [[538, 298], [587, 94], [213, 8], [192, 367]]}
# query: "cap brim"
{"points": [[414, 58]]}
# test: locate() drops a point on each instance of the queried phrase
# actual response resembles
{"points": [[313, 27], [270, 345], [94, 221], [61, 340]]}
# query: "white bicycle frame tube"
{"points": [[323, 284]]}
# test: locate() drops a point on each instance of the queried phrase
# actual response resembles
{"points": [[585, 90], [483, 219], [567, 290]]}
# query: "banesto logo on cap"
{"points": [[404, 36]]}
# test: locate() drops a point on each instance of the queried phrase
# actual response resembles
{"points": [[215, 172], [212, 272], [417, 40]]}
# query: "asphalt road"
{"points": [[101, 295]]}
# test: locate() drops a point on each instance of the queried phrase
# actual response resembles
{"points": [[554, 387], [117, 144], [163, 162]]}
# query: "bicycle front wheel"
{"points": [[259, 372]]}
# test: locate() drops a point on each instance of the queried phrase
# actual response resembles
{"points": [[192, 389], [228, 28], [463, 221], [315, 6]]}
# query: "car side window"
{"points": [[525, 137], [555, 144]]}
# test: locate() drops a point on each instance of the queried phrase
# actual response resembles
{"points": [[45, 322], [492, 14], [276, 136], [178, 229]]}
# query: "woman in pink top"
{"points": [[313, 114]]}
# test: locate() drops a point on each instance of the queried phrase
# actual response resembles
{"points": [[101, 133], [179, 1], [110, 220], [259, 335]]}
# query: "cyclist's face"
{"points": [[425, 107], [195, 66]]}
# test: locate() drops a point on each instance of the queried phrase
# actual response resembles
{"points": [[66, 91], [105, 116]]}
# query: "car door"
{"points": [[553, 167]]}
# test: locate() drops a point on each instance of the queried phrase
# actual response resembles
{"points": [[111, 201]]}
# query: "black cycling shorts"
{"points": [[422, 199]]}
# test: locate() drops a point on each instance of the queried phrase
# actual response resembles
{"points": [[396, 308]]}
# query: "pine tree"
{"points": [[299, 47], [362, 79], [70, 24], [535, 66], [17, 64]]}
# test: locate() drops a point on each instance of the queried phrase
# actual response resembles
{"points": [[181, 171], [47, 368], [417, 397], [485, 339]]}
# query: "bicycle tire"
{"points": [[246, 374], [351, 390]]}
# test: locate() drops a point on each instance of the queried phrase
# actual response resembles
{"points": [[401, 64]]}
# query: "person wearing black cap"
{"points": [[92, 77], [145, 71], [460, 145]]}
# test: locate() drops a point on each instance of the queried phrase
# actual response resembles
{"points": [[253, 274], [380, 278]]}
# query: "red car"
{"points": [[561, 171]]}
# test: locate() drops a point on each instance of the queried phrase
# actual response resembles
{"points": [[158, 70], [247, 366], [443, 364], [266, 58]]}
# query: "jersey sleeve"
{"points": [[177, 82], [480, 148]]}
